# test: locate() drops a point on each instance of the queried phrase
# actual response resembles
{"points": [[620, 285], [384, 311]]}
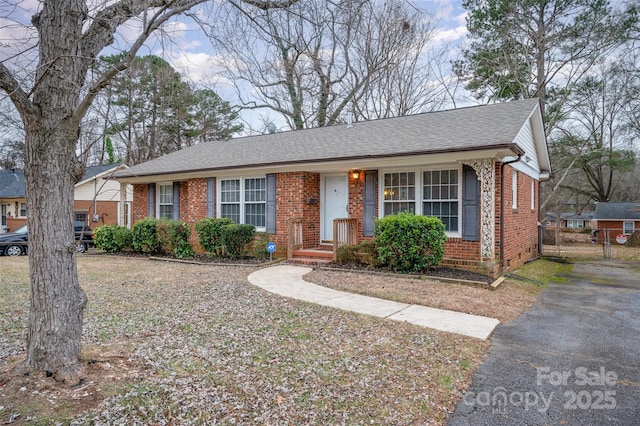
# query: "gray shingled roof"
{"points": [[463, 129], [12, 184], [93, 171], [618, 211]]}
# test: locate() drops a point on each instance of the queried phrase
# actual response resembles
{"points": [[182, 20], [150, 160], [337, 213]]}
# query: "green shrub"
{"points": [[179, 234], [369, 253], [145, 236], [209, 232], [259, 246], [410, 243], [236, 239], [112, 238], [164, 239], [347, 254]]}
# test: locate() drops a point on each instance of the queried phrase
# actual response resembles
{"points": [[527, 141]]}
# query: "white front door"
{"points": [[334, 203]]}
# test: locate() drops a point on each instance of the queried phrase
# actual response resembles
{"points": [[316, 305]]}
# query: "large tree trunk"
{"points": [[51, 171], [57, 301]]}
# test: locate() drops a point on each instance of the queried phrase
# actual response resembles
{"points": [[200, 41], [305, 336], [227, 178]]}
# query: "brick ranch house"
{"points": [[477, 168]]}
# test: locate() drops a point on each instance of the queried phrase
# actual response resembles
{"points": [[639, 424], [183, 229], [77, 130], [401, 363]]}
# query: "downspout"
{"points": [[502, 205]]}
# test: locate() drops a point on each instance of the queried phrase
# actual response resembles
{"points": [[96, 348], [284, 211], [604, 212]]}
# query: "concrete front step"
{"points": [[313, 253], [309, 261]]}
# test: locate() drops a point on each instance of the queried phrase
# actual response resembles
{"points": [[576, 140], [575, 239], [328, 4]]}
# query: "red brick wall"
{"points": [[139, 208], [193, 206], [107, 211], [615, 227], [356, 201], [298, 196], [521, 224], [13, 223]]}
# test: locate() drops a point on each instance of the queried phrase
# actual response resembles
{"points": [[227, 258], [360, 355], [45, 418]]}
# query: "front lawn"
{"points": [[168, 343]]}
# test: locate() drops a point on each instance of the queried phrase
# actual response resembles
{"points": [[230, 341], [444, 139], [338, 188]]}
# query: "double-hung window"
{"points": [[165, 201], [430, 193], [244, 200], [575, 224], [399, 192], [255, 196], [440, 197], [628, 228], [23, 210]]}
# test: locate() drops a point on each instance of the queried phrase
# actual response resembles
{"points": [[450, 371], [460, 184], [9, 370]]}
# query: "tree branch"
{"points": [[19, 97]]}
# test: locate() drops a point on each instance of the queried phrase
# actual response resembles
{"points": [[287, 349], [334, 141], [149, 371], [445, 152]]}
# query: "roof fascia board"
{"points": [[497, 152]]}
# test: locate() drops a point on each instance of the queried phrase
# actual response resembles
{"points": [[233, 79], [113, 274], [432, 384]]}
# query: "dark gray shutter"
{"points": [[369, 202], [151, 200], [176, 200], [271, 204], [211, 197], [470, 205]]}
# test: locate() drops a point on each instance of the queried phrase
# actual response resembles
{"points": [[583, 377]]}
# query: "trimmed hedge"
{"points": [[163, 236], [410, 243], [236, 239], [209, 232], [145, 236], [223, 237], [112, 238]]}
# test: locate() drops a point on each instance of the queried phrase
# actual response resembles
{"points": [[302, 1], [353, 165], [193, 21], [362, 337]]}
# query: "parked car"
{"points": [[17, 243]]}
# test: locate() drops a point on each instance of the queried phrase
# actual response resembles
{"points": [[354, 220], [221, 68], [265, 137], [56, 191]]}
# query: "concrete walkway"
{"points": [[286, 280]]}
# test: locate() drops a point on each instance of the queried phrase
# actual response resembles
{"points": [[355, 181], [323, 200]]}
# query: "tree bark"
{"points": [[57, 301]]}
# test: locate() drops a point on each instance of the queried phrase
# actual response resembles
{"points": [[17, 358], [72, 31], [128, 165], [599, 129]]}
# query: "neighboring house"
{"points": [[13, 204], [617, 218], [478, 169], [97, 201], [571, 220]]}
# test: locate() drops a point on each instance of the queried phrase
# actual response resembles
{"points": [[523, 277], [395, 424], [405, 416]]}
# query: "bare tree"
{"points": [[314, 60], [597, 136], [52, 104]]}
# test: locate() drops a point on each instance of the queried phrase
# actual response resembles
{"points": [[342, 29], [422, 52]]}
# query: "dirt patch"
{"points": [[36, 397]]}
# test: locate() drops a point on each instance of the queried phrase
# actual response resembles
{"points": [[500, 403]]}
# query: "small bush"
{"points": [[236, 239], [347, 254], [410, 243], [209, 232], [259, 247], [179, 234], [164, 239], [369, 253], [112, 238], [145, 236]]}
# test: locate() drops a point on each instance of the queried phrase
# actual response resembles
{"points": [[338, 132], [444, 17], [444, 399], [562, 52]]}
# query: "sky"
{"points": [[194, 57], [188, 50]]}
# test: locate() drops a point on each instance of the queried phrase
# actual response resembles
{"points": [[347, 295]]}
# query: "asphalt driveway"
{"points": [[572, 359]]}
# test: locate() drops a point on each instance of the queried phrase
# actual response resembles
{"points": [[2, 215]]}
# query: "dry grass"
{"points": [[592, 251], [168, 343], [506, 303]]}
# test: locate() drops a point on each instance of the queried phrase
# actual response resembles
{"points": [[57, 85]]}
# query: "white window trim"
{"points": [[533, 194], [419, 190], [19, 212], [514, 189], [158, 204], [624, 227], [242, 201]]}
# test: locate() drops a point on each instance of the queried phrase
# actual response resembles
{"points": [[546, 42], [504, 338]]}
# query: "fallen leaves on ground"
{"points": [[168, 343], [505, 303]]}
